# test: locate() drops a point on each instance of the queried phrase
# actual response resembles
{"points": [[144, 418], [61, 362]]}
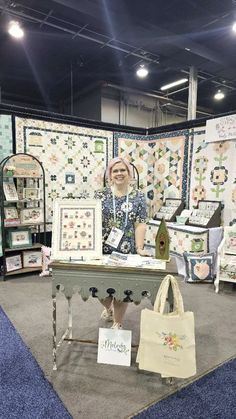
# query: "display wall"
{"points": [[176, 164]]}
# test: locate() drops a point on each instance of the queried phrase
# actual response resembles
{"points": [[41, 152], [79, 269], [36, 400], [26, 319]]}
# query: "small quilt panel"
{"points": [[199, 268]]}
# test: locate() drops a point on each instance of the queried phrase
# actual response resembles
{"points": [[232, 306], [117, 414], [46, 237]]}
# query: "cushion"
{"points": [[199, 268]]}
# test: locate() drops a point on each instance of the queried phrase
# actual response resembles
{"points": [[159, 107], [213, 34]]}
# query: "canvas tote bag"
{"points": [[167, 340]]}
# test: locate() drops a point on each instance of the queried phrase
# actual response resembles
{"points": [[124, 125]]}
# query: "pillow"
{"points": [[199, 268]]}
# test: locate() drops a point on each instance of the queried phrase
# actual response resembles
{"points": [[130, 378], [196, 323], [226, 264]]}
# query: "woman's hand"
{"points": [[142, 252]]}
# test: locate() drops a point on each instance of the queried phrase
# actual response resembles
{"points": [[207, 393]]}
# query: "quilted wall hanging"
{"points": [[161, 161], [5, 145], [213, 174], [74, 158], [5, 136]]}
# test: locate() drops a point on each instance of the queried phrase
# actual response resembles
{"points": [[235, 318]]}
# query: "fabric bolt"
{"points": [[136, 213], [74, 158]]}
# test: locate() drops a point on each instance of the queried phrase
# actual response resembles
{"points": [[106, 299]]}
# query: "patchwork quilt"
{"points": [[5, 145], [74, 158], [160, 161]]}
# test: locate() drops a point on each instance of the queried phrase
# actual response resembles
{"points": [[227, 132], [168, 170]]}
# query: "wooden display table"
{"points": [[95, 279]]}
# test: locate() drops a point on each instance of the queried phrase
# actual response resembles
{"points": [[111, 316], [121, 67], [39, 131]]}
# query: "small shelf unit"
{"points": [[22, 172]]}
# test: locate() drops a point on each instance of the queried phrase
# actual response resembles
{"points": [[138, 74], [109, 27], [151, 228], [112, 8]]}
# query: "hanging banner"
{"points": [[220, 129]]}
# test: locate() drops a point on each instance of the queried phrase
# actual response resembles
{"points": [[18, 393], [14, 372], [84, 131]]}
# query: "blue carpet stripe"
{"points": [[25, 393], [210, 397]]}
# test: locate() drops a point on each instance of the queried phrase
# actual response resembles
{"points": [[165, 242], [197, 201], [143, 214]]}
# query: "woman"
{"points": [[124, 216]]}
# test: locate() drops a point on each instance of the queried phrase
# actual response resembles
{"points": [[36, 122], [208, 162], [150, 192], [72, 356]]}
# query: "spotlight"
{"points": [[219, 95], [142, 72], [15, 30]]}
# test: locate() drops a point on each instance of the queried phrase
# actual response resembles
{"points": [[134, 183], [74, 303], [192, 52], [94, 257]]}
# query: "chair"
{"points": [[226, 258]]}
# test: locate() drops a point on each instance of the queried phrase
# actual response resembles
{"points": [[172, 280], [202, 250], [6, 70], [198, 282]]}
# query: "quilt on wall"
{"points": [[213, 174], [5, 145], [74, 158], [161, 161]]}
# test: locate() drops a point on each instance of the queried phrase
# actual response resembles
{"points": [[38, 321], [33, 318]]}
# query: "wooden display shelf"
{"points": [[22, 177], [16, 249], [23, 271], [16, 201], [24, 225]]}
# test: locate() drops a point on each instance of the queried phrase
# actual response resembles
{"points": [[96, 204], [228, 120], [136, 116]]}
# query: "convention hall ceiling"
{"points": [[76, 45]]}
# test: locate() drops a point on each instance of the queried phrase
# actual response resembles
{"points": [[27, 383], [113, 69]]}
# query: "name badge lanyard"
{"points": [[114, 208]]}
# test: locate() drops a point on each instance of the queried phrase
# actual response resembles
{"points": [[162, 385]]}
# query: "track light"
{"points": [[142, 71], [15, 30], [219, 95], [175, 83]]}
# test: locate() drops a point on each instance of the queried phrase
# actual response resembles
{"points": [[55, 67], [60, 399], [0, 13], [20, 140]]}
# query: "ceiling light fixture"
{"points": [[175, 83], [219, 95], [15, 30], [234, 27], [142, 71]]}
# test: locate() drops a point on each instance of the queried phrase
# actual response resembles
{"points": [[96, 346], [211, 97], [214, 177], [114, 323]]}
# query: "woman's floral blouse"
{"points": [[137, 213]]}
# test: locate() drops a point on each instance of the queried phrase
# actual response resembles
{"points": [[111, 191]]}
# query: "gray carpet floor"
{"points": [[101, 391]]}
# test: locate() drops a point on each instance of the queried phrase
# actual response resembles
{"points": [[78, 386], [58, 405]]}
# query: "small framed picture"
{"points": [[77, 229], [31, 215], [11, 212], [31, 193], [13, 263], [10, 191], [32, 259], [19, 238]]}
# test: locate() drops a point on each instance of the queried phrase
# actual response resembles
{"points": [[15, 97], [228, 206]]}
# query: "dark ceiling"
{"points": [[105, 40]]}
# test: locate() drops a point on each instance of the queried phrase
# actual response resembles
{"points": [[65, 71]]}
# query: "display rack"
{"points": [[170, 209], [208, 214], [23, 214]]}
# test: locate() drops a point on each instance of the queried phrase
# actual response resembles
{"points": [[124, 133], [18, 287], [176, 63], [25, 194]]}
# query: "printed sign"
{"points": [[114, 347]]}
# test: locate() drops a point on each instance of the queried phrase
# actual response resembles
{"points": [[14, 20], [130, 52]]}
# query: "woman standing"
{"points": [[124, 217]]}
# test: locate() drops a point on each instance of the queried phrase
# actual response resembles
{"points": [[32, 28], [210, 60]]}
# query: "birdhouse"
{"points": [[162, 242]]}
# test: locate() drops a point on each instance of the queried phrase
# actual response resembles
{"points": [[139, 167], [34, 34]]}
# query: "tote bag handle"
{"points": [[162, 295]]}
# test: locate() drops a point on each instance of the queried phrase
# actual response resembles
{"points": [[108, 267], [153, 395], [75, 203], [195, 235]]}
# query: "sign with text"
{"points": [[114, 346], [221, 129]]}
